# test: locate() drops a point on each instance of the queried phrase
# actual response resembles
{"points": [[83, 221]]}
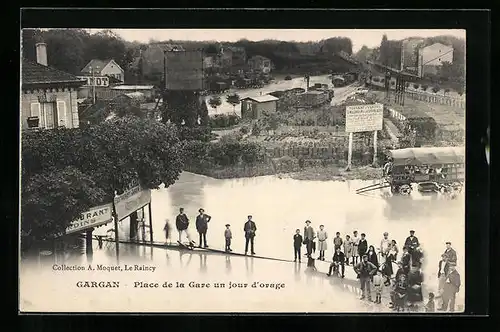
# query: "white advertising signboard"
{"points": [[100, 81], [131, 200], [361, 118], [97, 216]]}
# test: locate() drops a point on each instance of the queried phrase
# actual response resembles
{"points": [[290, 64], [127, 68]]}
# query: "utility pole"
{"points": [[387, 84]]}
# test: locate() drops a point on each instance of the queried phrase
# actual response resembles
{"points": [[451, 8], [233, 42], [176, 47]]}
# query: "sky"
{"points": [[359, 37]]}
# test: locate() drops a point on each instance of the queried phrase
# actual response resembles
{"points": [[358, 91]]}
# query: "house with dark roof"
{"points": [[49, 95], [110, 68]]}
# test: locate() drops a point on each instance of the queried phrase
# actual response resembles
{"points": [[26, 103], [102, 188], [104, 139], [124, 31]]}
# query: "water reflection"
{"points": [[228, 264], [203, 262], [249, 265]]}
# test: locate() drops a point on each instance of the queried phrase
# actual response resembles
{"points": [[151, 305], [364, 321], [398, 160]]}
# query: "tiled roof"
{"points": [[169, 47], [96, 64], [35, 73]]}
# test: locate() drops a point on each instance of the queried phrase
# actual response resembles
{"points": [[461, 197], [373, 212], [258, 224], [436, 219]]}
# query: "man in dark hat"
{"points": [[365, 270], [249, 228], [412, 243], [450, 256], [202, 221], [308, 237], [406, 260], [451, 288]]}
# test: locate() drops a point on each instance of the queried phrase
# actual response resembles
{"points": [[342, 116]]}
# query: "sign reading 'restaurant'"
{"points": [[97, 216], [361, 118], [131, 200]]}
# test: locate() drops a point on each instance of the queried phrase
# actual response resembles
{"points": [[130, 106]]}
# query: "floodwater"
{"points": [[279, 207], [279, 85]]}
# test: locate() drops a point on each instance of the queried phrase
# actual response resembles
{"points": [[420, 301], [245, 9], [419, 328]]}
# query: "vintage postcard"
{"points": [[167, 170]]}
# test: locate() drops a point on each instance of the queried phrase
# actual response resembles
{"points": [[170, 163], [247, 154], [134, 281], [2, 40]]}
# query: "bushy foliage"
{"points": [[224, 120], [436, 89], [229, 151], [54, 198], [424, 87], [199, 133], [416, 86]]}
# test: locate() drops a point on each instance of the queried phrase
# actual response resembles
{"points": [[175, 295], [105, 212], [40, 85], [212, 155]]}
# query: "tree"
{"points": [[424, 87], [29, 39], [51, 200], [233, 99], [384, 50], [215, 102], [436, 89], [67, 48], [363, 54], [98, 161], [184, 107]]}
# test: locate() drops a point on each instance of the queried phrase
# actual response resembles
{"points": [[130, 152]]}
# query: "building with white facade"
{"points": [[431, 57]]}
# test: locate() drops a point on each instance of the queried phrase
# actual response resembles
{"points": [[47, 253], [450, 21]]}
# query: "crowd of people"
{"points": [[372, 264], [374, 267]]}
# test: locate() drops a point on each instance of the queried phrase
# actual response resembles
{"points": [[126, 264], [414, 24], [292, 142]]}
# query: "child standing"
{"points": [[297, 244], [322, 246], [347, 249], [430, 307], [228, 236], [378, 286], [355, 244]]}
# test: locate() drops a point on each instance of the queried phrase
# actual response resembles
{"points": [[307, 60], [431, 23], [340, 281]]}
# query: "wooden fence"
{"points": [[437, 99]]}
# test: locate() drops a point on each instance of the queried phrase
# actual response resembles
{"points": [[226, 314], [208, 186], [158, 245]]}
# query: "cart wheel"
{"points": [[457, 187], [405, 189]]}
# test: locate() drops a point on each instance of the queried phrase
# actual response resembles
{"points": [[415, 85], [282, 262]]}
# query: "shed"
{"points": [[254, 107]]}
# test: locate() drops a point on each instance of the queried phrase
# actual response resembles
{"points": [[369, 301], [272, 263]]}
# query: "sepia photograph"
{"points": [[242, 170]]}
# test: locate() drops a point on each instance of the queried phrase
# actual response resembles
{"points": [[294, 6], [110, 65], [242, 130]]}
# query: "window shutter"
{"points": [[35, 109], [61, 113]]}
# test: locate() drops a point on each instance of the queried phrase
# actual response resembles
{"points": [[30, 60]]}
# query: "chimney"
{"points": [[41, 53]]}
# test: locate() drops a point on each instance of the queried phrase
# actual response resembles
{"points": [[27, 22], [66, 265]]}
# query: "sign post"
{"points": [[363, 118], [150, 223], [349, 153], [375, 148]]}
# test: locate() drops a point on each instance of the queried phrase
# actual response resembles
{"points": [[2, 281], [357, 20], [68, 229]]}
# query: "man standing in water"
{"points": [[451, 256], [451, 288], [249, 230], [202, 221], [412, 243], [182, 224], [365, 270], [308, 237]]}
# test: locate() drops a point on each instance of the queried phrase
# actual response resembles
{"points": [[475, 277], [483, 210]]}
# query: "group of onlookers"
{"points": [[374, 266]]}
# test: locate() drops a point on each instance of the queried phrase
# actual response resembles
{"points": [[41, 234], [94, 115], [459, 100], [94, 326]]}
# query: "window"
{"points": [[34, 116], [35, 110], [61, 113]]}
